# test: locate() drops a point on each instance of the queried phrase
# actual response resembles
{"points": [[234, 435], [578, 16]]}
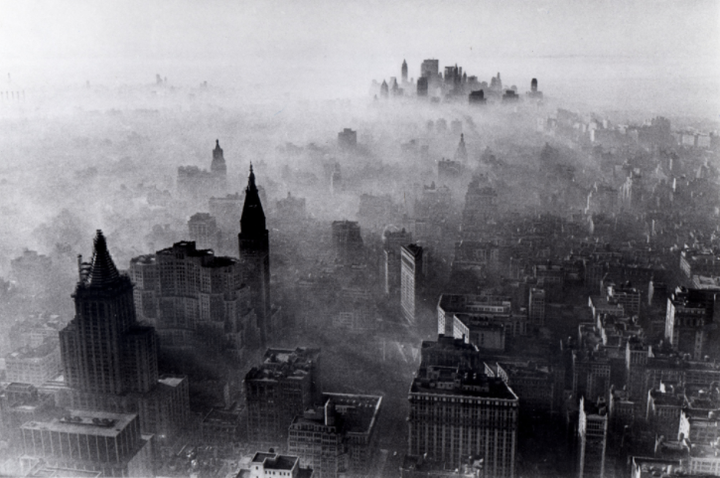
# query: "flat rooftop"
{"points": [[171, 380], [278, 364], [354, 413], [82, 422], [448, 381], [274, 461]]}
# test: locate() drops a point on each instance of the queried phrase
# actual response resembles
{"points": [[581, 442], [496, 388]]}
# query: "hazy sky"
{"points": [[338, 47]]}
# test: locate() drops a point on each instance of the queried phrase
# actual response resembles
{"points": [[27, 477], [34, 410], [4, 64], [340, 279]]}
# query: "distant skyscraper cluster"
{"points": [[452, 84]]}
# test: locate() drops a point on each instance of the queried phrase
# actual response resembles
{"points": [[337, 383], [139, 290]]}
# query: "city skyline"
{"points": [[360, 240]]}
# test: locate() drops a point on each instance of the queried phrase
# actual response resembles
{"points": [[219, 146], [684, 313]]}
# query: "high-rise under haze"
{"points": [[104, 349], [254, 245], [110, 360]]}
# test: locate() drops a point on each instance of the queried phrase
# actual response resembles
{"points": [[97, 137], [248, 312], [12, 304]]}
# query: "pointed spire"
{"points": [[102, 268], [252, 220], [251, 180]]}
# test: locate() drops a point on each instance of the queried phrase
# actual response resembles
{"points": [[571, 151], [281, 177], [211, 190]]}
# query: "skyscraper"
{"points": [[110, 359], [404, 72], [218, 166], [392, 242], [285, 384], [411, 272], [104, 349], [592, 433], [254, 246], [429, 69], [190, 294], [456, 412]]}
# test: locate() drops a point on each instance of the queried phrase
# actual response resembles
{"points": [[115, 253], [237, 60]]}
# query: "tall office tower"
{"points": [[110, 359], [422, 86], [108, 444], [392, 242], [536, 308], [218, 168], [429, 69], [411, 276], [689, 312], [337, 438], [533, 85], [592, 433], [285, 384], [190, 292], [255, 255], [104, 349], [457, 412], [403, 72]]}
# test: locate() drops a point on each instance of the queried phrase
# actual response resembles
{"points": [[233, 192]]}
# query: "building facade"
{"points": [[109, 359], [457, 412], [337, 438], [411, 277], [283, 386]]}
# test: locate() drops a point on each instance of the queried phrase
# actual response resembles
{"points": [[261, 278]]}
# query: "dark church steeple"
{"points": [[254, 245]]}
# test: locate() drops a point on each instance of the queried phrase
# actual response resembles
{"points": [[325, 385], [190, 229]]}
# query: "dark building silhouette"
{"points": [[429, 69], [103, 346], [534, 93], [404, 72], [191, 295], [461, 151], [347, 139], [510, 96], [218, 168], [286, 383], [384, 90], [254, 246], [110, 359], [422, 86], [477, 98]]}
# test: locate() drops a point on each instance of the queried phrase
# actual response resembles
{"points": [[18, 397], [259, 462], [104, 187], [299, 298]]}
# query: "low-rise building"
{"points": [[337, 438], [108, 443]]}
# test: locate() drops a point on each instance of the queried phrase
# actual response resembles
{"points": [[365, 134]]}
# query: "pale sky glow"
{"points": [[291, 44]]}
